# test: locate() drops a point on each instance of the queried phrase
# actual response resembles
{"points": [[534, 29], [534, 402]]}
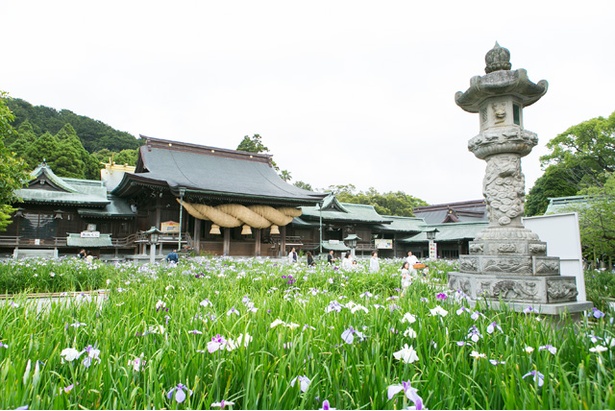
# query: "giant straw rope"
{"points": [[235, 215]]}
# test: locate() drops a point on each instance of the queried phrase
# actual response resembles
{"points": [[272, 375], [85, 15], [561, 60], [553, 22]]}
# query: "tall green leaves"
{"points": [[12, 169]]}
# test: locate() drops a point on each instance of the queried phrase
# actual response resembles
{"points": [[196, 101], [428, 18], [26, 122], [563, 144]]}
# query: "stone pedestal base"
{"points": [[515, 288]]}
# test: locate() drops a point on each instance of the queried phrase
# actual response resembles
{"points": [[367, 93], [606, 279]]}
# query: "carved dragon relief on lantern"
{"points": [[504, 189], [508, 289]]}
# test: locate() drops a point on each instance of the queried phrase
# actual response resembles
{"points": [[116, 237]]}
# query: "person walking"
{"points": [[292, 256], [374, 264], [347, 262], [406, 277], [331, 257], [310, 259]]}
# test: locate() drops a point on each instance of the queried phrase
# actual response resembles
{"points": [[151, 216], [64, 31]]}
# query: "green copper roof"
{"points": [[75, 240], [449, 232], [333, 210], [402, 224]]}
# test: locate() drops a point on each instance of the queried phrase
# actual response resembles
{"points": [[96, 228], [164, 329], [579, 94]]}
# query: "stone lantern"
{"points": [[508, 262], [153, 235], [351, 241]]}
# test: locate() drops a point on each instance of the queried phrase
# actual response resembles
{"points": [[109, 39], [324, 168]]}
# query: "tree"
{"points": [[579, 158], [94, 135], [23, 139], [253, 144], [303, 185], [597, 220], [44, 149], [391, 203], [13, 173], [554, 182]]}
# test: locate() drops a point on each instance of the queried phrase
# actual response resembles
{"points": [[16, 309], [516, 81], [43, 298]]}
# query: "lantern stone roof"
{"points": [[498, 81], [218, 175]]}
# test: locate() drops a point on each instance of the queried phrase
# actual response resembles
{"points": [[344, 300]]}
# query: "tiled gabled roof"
{"points": [[227, 175]]}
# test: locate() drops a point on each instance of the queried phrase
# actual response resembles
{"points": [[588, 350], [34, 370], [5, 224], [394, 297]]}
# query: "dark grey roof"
{"points": [[464, 211], [212, 172]]}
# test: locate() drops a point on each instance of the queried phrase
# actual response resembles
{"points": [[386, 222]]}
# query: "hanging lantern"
{"points": [[275, 230], [215, 229], [246, 230]]}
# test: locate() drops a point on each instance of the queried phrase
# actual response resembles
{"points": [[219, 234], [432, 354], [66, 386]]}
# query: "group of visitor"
{"points": [[408, 270]]}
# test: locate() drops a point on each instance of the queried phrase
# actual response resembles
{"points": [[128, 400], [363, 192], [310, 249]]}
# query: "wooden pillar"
{"points": [[196, 237], [226, 247], [157, 213], [282, 241], [257, 242]]}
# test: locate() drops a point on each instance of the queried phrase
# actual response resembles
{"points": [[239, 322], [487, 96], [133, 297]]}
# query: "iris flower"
{"points": [[598, 348], [438, 311], [137, 363], [408, 318], [217, 343], [304, 382], [441, 296], [549, 348], [476, 355], [327, 406], [538, 377], [92, 354], [222, 404], [409, 391], [474, 334], [492, 327], [597, 313], [348, 335], [180, 393], [406, 354], [70, 354]]}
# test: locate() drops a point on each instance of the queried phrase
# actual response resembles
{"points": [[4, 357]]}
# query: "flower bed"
{"points": [[260, 335]]}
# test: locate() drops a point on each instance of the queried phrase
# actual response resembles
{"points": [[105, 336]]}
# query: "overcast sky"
{"points": [[342, 92]]}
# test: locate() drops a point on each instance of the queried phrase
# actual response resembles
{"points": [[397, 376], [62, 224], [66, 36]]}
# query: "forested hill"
{"points": [[94, 134]]}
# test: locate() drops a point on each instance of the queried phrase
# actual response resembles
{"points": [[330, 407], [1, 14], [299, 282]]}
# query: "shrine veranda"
{"points": [[265, 334]]}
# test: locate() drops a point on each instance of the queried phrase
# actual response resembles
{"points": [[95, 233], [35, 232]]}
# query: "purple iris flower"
{"points": [[597, 313], [180, 394], [409, 391], [441, 296], [538, 377], [326, 405]]}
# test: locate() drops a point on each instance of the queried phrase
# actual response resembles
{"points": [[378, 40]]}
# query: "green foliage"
{"points": [[303, 185], [128, 157], [95, 135], [555, 182], [579, 158], [12, 169], [167, 316], [589, 145], [600, 288], [597, 220], [253, 144], [391, 203]]}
